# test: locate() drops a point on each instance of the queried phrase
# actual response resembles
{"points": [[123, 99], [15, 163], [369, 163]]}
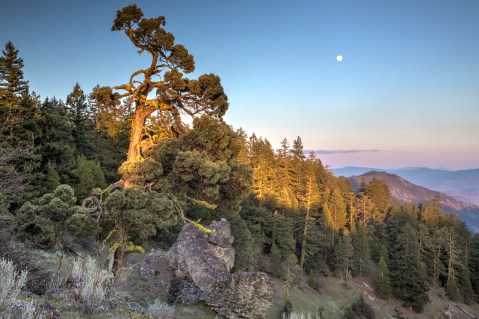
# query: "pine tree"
{"points": [[474, 263], [408, 273], [378, 192], [362, 252], [327, 223], [309, 203], [244, 156], [12, 84], [56, 143], [344, 255], [338, 209], [383, 282], [297, 150], [19, 130], [452, 288], [284, 194], [77, 109], [438, 248], [87, 176], [364, 208], [111, 132], [263, 164]]}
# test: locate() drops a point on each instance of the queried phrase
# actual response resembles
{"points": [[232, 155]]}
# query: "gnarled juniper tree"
{"points": [[169, 167], [198, 169], [161, 87]]}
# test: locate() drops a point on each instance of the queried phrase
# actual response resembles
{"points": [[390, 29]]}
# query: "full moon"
{"points": [[339, 58]]}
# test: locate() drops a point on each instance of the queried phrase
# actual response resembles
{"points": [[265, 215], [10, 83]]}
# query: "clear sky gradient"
{"points": [[408, 86]]}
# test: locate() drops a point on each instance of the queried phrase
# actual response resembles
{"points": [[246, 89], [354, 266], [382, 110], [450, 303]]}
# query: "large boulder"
{"points": [[157, 271], [205, 258], [245, 295], [201, 262]]}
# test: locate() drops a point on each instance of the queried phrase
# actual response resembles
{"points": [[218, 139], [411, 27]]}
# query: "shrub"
{"points": [[287, 309], [160, 310], [91, 282], [362, 309], [11, 282], [39, 232]]}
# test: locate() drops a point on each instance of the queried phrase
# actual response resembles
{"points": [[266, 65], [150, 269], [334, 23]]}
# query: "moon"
{"points": [[339, 58]]}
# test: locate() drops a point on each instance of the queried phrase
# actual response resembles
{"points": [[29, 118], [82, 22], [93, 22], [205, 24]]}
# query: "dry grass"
{"points": [[11, 282], [91, 282], [160, 310]]}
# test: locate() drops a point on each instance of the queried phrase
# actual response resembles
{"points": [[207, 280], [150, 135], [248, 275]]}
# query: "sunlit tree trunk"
{"points": [[306, 221], [137, 126]]}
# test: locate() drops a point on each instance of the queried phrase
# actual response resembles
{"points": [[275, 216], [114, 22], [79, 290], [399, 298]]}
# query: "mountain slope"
{"points": [[404, 191], [462, 185]]}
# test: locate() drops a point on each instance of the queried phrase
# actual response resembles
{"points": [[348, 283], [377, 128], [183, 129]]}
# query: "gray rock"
{"points": [[135, 307], [245, 295], [197, 268], [183, 291], [157, 269], [203, 261]]}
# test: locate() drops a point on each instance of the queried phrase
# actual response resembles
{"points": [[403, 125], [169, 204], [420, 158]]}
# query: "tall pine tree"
{"points": [[78, 114]]}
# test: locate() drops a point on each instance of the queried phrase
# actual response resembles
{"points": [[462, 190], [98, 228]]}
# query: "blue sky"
{"points": [[408, 86]]}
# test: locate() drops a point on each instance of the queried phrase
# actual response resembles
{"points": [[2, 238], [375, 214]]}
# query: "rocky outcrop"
{"points": [[245, 295], [201, 263], [206, 258]]}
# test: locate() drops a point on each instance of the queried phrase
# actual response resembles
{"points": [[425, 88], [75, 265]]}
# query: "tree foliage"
{"points": [[162, 86]]}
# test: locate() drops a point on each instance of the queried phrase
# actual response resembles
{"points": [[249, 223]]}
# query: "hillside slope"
{"points": [[463, 185], [405, 191]]}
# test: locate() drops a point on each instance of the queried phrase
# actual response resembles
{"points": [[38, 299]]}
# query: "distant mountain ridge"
{"points": [[463, 185], [405, 191]]}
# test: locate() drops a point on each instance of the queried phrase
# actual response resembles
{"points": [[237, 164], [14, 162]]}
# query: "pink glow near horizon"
{"points": [[454, 160]]}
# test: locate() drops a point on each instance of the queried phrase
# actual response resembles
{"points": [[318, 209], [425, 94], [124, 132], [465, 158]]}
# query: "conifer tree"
{"points": [[174, 94], [438, 248], [136, 213], [46, 221], [263, 164], [87, 176], [310, 202], [362, 252], [406, 264], [244, 156], [78, 114], [56, 143], [452, 288], [19, 130], [378, 192], [474, 264], [111, 132], [337, 208], [327, 223], [344, 255], [382, 282], [199, 169], [12, 84], [284, 194], [297, 149], [364, 208]]}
